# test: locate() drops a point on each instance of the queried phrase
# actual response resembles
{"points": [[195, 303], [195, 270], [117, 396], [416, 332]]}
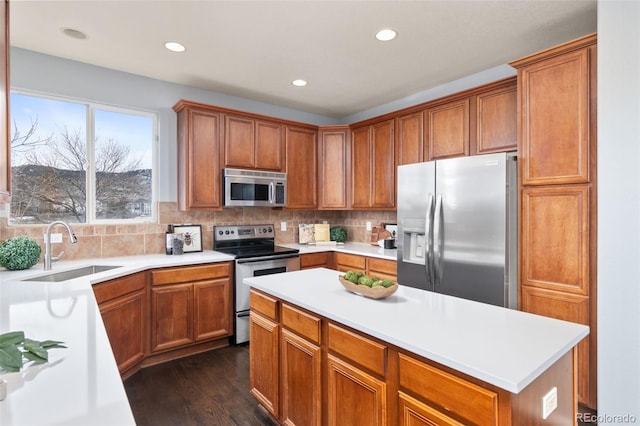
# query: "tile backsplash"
{"points": [[96, 241]]}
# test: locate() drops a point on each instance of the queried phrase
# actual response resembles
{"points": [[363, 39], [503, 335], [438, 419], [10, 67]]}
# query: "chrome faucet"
{"points": [[48, 259]]}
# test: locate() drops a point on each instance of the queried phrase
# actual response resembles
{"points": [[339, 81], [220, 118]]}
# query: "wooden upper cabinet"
{"points": [[496, 120], [557, 103], [301, 148], [253, 144], [333, 167], [555, 238], [239, 142], [373, 166], [446, 130], [409, 138], [5, 145], [199, 172]]}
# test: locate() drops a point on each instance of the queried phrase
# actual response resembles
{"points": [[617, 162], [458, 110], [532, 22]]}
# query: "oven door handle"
{"points": [[266, 258]]}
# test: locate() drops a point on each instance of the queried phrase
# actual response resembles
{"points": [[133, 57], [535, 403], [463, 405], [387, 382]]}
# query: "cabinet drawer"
{"points": [[118, 287], [383, 266], [315, 260], [264, 304], [190, 273], [358, 349], [450, 393], [304, 324], [352, 260]]}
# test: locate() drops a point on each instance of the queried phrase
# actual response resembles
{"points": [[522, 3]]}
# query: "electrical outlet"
{"points": [[56, 238], [368, 226], [283, 226], [549, 402]]}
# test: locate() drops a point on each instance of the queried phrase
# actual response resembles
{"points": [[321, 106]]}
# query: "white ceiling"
{"points": [[254, 49]]}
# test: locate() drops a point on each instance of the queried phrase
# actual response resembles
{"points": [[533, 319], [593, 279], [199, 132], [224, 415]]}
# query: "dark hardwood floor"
{"points": [[211, 388]]}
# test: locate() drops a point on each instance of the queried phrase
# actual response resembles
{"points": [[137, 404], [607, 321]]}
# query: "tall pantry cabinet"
{"points": [[557, 167]]}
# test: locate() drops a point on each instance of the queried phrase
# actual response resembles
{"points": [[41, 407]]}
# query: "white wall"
{"points": [[618, 211], [56, 76]]}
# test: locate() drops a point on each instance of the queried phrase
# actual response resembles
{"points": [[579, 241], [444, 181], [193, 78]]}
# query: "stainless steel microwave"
{"points": [[254, 188]]}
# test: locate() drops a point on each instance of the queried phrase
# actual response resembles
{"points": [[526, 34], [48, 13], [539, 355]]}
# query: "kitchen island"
{"points": [[414, 356]]}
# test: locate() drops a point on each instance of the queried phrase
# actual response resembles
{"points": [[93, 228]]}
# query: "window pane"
{"points": [[123, 158], [48, 160]]}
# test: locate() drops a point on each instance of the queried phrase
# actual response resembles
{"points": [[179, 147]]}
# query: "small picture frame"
{"points": [[192, 237]]}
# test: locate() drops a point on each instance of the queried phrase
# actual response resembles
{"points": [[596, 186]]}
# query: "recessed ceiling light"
{"points": [[299, 83], [73, 33], [386, 35], [174, 46]]}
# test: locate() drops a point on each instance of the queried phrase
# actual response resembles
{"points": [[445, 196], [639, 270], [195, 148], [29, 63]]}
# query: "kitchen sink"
{"points": [[73, 273]]}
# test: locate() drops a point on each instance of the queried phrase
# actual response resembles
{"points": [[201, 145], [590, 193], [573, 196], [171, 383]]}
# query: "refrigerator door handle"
{"points": [[438, 243], [428, 247]]}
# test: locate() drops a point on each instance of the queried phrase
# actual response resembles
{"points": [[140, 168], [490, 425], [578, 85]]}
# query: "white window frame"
{"points": [[90, 202]]}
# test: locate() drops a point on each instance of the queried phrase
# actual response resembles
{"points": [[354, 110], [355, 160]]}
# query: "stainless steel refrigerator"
{"points": [[457, 227]]}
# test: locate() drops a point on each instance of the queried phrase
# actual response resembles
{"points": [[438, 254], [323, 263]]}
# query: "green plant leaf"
{"points": [[33, 357], [36, 348], [51, 344], [10, 358], [11, 338]]}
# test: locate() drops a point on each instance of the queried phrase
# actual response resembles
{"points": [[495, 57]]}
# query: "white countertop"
{"points": [[361, 249], [79, 385], [504, 347]]}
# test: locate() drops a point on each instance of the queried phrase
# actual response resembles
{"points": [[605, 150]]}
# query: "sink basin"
{"points": [[72, 273]]}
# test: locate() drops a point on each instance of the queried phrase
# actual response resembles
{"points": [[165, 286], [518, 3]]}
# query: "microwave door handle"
{"points": [[271, 193]]}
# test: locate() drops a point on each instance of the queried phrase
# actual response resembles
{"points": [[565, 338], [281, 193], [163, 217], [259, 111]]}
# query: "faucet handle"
{"points": [[58, 257]]}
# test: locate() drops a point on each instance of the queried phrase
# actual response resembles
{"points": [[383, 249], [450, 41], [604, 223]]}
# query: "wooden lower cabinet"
{"points": [[382, 268], [417, 413], [190, 305], [322, 259], [354, 396], [125, 311], [264, 354], [300, 381]]}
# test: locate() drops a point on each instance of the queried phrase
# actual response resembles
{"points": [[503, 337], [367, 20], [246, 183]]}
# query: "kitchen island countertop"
{"points": [[503, 347]]}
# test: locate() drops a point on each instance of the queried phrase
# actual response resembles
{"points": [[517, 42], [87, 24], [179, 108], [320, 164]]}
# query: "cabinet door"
{"points": [[269, 146], [333, 172], [5, 147], [361, 167], [382, 268], [198, 159], [125, 320], [416, 413], [554, 102], [316, 260], [213, 316], [555, 238], [409, 138], [301, 381], [172, 316], [264, 353], [567, 307], [447, 130], [239, 136], [301, 168], [497, 120], [383, 165], [354, 397]]}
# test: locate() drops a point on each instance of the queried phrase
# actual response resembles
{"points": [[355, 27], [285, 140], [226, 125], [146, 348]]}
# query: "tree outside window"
{"points": [[79, 162]]}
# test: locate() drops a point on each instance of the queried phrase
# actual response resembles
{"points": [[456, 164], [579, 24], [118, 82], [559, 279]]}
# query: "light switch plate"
{"points": [[549, 402], [283, 226], [368, 226], [56, 238]]}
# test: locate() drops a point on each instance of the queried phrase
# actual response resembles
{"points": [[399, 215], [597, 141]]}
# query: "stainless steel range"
{"points": [[256, 254]]}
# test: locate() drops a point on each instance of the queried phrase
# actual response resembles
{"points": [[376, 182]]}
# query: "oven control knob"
{"points": [[220, 232], [226, 232], [270, 230], [264, 230]]}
